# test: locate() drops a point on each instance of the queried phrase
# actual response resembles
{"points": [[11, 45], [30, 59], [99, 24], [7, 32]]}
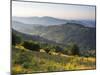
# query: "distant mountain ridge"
{"points": [[39, 20], [48, 21]]}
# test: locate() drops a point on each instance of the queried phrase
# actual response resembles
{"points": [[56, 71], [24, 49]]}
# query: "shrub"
{"points": [[58, 49], [31, 45], [23, 57], [16, 39], [27, 65], [73, 49], [47, 50]]}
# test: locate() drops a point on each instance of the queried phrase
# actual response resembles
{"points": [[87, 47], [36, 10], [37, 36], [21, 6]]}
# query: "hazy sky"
{"points": [[27, 9]]}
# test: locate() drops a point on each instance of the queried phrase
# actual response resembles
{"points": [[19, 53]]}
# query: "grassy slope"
{"points": [[26, 61]]}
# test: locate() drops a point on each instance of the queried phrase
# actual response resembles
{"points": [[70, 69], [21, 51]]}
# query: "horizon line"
{"points": [[53, 17]]}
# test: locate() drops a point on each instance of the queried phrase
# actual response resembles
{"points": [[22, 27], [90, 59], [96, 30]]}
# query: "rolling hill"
{"points": [[69, 32], [36, 38], [60, 31]]}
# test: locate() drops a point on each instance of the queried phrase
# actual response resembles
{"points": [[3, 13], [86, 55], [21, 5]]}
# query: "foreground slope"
{"points": [[26, 61]]}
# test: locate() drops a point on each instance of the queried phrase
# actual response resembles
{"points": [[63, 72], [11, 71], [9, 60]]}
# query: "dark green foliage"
{"points": [[16, 39], [58, 49], [73, 49], [47, 50], [27, 65], [31, 45], [65, 51], [23, 58], [47, 47], [44, 45]]}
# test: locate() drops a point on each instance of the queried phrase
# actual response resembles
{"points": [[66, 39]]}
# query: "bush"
{"points": [[23, 57], [58, 49], [48, 47], [47, 50], [31, 45], [16, 39], [73, 49], [27, 65], [65, 51]]}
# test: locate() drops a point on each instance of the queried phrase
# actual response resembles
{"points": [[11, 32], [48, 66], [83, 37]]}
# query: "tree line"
{"points": [[71, 49]]}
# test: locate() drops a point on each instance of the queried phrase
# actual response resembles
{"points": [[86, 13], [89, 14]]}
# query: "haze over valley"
{"points": [[61, 31]]}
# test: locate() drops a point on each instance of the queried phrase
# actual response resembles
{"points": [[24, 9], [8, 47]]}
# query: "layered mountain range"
{"points": [[58, 31], [48, 21]]}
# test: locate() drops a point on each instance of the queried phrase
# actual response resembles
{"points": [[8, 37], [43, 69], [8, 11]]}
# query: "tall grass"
{"points": [[26, 61]]}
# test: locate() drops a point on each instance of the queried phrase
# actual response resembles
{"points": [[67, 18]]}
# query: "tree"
{"points": [[73, 49], [31, 45], [65, 51], [47, 47], [58, 49], [16, 39]]}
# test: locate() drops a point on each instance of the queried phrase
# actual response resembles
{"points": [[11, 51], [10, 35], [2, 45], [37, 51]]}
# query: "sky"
{"points": [[63, 11]]}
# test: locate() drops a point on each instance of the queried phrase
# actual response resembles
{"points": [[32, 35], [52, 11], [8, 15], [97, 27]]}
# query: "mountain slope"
{"points": [[70, 32], [35, 38], [64, 34]]}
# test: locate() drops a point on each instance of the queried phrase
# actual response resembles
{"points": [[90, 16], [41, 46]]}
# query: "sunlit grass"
{"points": [[43, 62]]}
